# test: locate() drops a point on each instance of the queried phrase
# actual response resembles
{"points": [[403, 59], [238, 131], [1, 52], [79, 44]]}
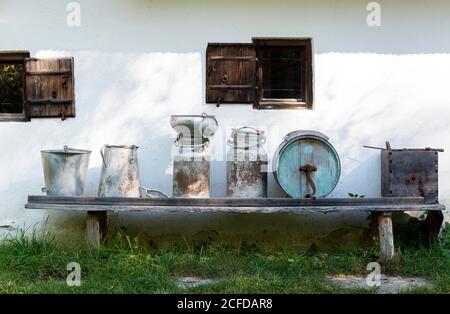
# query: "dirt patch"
{"points": [[388, 284], [191, 282]]}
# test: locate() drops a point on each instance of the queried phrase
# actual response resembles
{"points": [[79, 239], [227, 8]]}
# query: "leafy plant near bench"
{"points": [[11, 86], [355, 195], [444, 242]]}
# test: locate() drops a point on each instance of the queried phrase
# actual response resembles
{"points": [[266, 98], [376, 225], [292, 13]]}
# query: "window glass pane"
{"points": [[11, 88], [282, 75]]}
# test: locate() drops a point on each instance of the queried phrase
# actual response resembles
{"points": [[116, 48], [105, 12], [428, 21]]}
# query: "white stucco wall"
{"points": [[137, 62]]}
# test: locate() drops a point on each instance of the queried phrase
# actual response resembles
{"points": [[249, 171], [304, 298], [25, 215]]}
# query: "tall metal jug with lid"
{"points": [[247, 163], [120, 171], [191, 162]]}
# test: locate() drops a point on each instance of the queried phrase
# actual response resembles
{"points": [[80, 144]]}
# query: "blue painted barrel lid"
{"points": [[306, 147]]}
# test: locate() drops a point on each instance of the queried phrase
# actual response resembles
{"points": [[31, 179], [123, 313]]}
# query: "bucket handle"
{"points": [[67, 149], [102, 153], [131, 159], [147, 192]]}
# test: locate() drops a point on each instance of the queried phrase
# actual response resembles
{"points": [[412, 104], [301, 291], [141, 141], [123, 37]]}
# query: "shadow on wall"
{"points": [[154, 170], [128, 99], [264, 231], [363, 179]]}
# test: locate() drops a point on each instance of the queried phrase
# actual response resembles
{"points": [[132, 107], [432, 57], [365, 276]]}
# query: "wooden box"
{"points": [[410, 172]]}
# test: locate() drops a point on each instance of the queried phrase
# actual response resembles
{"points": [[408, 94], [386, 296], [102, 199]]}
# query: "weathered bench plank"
{"points": [[234, 209], [412, 203], [97, 208]]}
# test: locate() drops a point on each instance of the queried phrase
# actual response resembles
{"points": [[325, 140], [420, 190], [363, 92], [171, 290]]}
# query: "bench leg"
{"points": [[386, 235], [96, 226], [433, 224]]}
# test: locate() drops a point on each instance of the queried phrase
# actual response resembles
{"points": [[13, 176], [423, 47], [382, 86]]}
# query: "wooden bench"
{"points": [[97, 208]]}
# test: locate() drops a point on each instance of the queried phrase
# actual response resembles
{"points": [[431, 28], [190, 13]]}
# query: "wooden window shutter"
{"points": [[49, 88], [230, 73]]}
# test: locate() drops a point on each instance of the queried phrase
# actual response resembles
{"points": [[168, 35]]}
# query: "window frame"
{"points": [[16, 57], [307, 68]]}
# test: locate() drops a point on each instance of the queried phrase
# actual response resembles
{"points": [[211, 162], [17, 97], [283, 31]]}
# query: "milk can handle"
{"points": [[205, 115], [141, 188], [249, 128], [261, 137], [102, 153]]}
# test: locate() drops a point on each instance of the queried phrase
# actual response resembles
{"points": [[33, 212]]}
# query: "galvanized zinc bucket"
{"points": [[247, 163], [120, 171], [306, 165], [65, 171]]}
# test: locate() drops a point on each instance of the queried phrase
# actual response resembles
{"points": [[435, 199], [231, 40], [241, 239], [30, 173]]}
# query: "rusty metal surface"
{"points": [[191, 166], [410, 173], [191, 178], [65, 171], [247, 178], [246, 164], [120, 172], [191, 170], [308, 169]]}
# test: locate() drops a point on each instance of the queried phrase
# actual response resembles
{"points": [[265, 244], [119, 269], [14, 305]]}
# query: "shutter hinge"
{"points": [[63, 114], [219, 99], [64, 83]]}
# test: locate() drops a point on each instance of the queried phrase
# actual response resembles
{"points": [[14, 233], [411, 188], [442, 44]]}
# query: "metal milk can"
{"points": [[191, 170], [65, 171], [246, 163], [191, 165], [120, 172]]}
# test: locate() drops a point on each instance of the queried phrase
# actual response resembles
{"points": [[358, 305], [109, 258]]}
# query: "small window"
{"points": [[12, 82], [271, 73], [35, 88], [282, 73]]}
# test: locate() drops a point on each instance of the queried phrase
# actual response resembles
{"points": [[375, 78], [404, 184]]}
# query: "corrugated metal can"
{"points": [[65, 171], [120, 172], [246, 163]]}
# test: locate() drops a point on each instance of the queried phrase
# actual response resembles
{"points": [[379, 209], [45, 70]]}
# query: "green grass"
{"points": [[37, 265]]}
